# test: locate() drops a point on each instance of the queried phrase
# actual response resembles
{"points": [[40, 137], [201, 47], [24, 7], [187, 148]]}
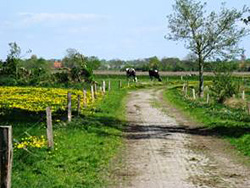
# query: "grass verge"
{"points": [[231, 124]]}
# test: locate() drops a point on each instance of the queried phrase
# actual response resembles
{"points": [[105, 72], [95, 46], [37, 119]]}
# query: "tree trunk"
{"points": [[201, 78]]}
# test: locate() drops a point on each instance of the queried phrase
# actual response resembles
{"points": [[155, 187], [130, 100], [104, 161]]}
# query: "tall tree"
{"points": [[208, 35], [73, 59], [93, 62], [13, 58], [154, 63]]}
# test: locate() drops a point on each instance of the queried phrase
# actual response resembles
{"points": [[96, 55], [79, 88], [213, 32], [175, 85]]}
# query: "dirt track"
{"points": [[164, 152]]}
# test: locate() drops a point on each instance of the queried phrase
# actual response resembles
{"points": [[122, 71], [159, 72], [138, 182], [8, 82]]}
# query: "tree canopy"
{"points": [[207, 35]]}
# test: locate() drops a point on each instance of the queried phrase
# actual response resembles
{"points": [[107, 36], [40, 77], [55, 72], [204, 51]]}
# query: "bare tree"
{"points": [[208, 35]]}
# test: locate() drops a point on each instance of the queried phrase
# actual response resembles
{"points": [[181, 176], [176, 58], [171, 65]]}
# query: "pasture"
{"points": [[85, 148]]}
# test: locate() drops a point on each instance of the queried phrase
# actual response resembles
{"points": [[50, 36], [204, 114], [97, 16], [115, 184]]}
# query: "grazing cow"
{"points": [[131, 73], [154, 74]]}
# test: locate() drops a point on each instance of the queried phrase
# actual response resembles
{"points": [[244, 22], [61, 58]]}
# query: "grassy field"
{"points": [[229, 123], [83, 150]]}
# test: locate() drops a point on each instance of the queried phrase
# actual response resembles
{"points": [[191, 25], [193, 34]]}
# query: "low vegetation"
{"points": [[221, 120], [84, 148]]}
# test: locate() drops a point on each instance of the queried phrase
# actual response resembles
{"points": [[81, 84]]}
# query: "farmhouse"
{"points": [[57, 64]]}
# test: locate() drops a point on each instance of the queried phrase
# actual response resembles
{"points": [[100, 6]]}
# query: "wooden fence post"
{"points": [[208, 98], [183, 87], [104, 86], [6, 156], [95, 91], [78, 105], [84, 98], [49, 128], [194, 97], [69, 107], [243, 95], [109, 85], [92, 94], [186, 90]]}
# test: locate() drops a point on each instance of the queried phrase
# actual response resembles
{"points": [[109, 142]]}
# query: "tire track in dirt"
{"points": [[161, 152]]}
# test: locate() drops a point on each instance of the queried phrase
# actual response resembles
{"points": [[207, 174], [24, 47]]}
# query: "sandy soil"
{"points": [[164, 149]]}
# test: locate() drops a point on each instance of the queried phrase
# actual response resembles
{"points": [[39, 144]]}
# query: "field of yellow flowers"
{"points": [[37, 99]]}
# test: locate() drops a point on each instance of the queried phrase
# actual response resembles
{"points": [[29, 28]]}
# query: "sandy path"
{"points": [[161, 153]]}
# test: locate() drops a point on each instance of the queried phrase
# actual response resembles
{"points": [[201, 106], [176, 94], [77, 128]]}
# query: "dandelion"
{"points": [[37, 99], [32, 142]]}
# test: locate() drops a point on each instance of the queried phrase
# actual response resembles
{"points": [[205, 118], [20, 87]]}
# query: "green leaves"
{"points": [[223, 85]]}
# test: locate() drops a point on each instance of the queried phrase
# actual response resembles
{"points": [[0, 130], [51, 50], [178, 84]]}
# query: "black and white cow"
{"points": [[131, 73], [154, 74]]}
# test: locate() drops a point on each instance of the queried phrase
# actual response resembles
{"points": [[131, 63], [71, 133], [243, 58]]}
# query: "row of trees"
{"points": [[16, 70], [171, 64]]}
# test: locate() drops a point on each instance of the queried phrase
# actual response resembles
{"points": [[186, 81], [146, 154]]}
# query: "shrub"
{"points": [[223, 85], [62, 77], [7, 81]]}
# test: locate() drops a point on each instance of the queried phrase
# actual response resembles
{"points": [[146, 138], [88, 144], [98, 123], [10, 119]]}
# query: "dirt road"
{"points": [[163, 152]]}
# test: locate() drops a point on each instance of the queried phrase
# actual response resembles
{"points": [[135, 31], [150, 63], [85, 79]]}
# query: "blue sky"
{"points": [[110, 29]]}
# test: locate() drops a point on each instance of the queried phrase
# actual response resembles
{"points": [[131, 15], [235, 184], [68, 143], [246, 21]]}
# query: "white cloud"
{"points": [[34, 18]]}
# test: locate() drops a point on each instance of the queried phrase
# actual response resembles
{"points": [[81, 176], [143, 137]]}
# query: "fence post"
{"points": [[95, 91], [207, 98], [183, 87], [194, 97], [6, 156], [84, 98], [69, 107], [109, 85], [243, 95], [92, 94], [186, 90], [78, 104], [104, 86], [49, 128], [128, 83]]}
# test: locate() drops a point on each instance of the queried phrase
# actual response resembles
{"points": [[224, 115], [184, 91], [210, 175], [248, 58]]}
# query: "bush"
{"points": [[62, 77], [7, 81], [223, 85]]}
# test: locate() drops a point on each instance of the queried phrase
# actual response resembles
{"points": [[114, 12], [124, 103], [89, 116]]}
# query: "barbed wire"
{"points": [[28, 129]]}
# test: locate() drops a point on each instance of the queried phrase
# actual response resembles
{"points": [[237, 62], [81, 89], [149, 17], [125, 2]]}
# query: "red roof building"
{"points": [[57, 64]]}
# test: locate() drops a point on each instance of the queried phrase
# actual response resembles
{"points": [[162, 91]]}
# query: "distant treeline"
{"points": [[75, 67], [170, 64]]}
